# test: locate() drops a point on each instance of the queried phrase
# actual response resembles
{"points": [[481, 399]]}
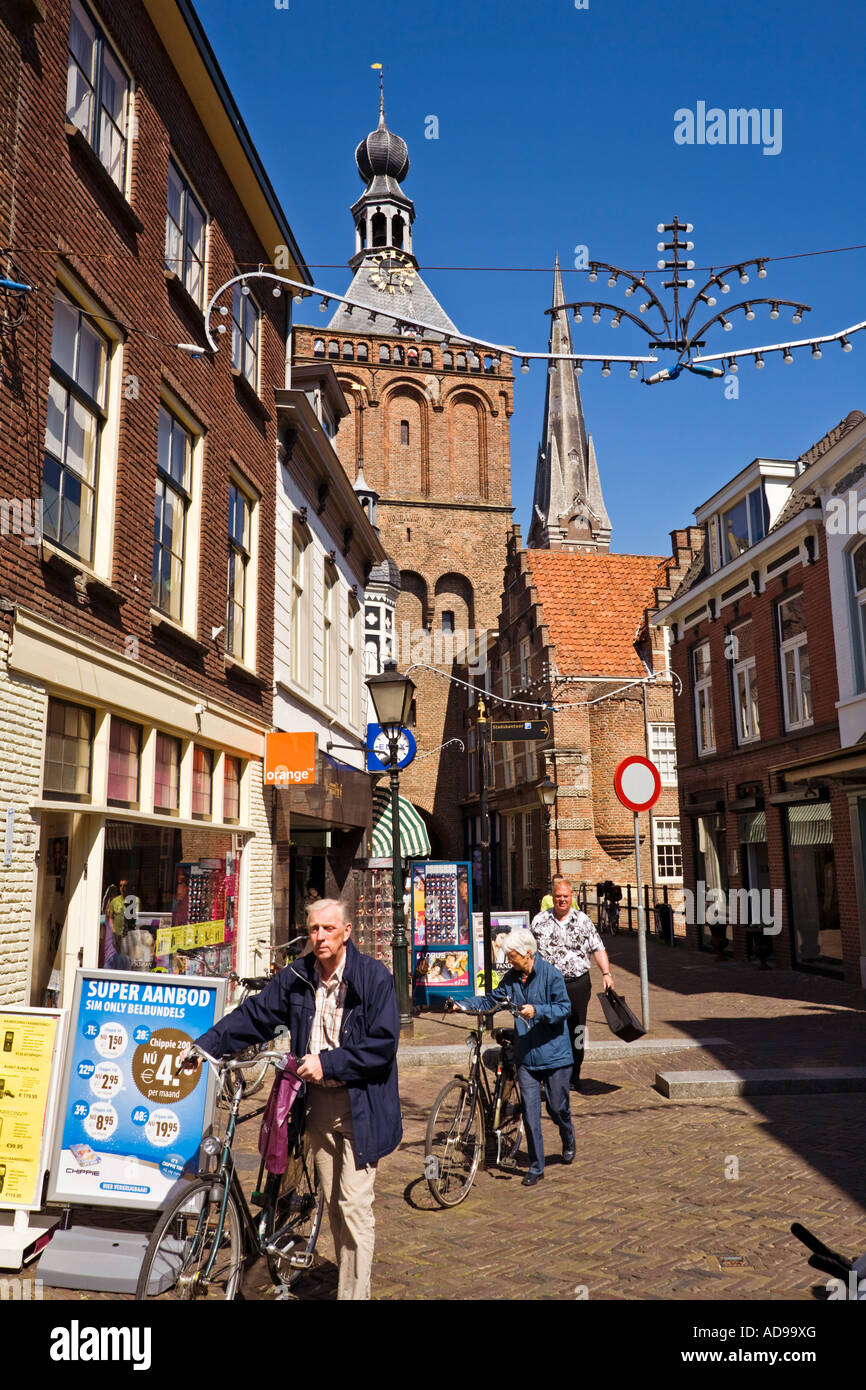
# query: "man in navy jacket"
{"points": [[341, 1011], [542, 1049]]}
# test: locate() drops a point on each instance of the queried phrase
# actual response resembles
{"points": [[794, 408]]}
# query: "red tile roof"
{"points": [[592, 606]]}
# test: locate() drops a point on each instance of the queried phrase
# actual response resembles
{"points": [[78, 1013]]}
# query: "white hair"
{"points": [[322, 904], [520, 940]]}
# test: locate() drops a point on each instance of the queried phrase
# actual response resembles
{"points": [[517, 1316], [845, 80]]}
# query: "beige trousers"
{"points": [[348, 1189]]}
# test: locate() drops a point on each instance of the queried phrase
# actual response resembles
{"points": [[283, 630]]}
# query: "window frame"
{"points": [[61, 794], [116, 723], [206, 753], [744, 672], [299, 608], [232, 758], [659, 749], [753, 538], [857, 612], [331, 682], [242, 305], [794, 646], [183, 492], [159, 808], [663, 844], [182, 268], [247, 556], [703, 695], [93, 131]]}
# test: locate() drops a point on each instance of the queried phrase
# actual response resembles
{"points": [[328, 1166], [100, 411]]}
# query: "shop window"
{"points": [[124, 763], [668, 849], [231, 789], [185, 225], [68, 752], [703, 693], [794, 658], [174, 466], [77, 400], [166, 784], [246, 317], [202, 783], [240, 513], [97, 92], [663, 752], [744, 674]]}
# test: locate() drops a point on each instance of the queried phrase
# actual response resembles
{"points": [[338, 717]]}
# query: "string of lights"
{"points": [[548, 706]]}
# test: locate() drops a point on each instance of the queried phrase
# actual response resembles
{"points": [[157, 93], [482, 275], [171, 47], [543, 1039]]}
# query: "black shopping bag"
{"points": [[619, 1017]]}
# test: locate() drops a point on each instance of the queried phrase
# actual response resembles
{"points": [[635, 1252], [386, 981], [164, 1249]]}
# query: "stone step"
{"points": [[762, 1081], [421, 1055]]}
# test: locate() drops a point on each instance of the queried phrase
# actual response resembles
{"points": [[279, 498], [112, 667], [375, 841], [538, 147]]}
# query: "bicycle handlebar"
{"points": [[222, 1064]]}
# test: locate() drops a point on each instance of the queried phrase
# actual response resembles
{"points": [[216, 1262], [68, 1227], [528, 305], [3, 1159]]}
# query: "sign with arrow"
{"points": [[504, 731]]}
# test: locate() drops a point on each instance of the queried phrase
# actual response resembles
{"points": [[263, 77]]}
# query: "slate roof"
{"points": [[417, 304], [592, 606]]}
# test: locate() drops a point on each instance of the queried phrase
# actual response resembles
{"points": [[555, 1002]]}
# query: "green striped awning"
{"points": [[414, 840]]}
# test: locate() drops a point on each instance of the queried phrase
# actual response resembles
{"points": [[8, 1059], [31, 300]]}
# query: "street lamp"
{"points": [[392, 696], [547, 796]]}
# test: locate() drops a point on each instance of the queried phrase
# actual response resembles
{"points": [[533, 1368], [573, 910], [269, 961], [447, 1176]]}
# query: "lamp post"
{"points": [[547, 796], [392, 695]]}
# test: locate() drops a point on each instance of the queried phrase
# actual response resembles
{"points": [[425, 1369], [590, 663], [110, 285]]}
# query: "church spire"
{"points": [[568, 511]]}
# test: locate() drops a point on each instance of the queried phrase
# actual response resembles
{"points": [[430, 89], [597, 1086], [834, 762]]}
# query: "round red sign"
{"points": [[637, 783]]}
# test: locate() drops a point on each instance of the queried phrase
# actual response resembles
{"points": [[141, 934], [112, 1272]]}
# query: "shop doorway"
{"points": [[307, 865]]}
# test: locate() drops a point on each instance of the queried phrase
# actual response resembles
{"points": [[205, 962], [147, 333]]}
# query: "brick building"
{"points": [[574, 642], [758, 727], [431, 418], [136, 655]]}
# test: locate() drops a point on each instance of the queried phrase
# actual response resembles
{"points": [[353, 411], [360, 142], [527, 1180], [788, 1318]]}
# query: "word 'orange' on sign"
{"points": [[290, 759]]}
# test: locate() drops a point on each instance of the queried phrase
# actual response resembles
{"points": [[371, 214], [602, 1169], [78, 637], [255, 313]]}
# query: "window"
{"points": [[508, 766], [97, 92], [331, 651], [745, 679], [245, 335], [298, 635], [447, 360], [857, 594], [397, 355], [333, 348], [166, 782], [362, 352], [319, 347], [663, 752], [745, 523], [794, 656], [77, 396], [384, 354], [353, 628], [185, 224], [68, 751], [528, 817], [202, 782], [231, 789], [472, 759], [461, 361], [240, 509], [506, 672], [703, 688], [669, 852], [348, 352], [169, 517], [404, 431], [124, 762], [448, 621], [426, 357], [525, 646], [474, 362], [412, 357]]}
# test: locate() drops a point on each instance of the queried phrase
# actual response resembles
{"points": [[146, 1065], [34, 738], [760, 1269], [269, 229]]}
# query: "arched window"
{"points": [[333, 348], [397, 225], [362, 352], [319, 347], [475, 362], [380, 229], [412, 356], [404, 432], [426, 357], [490, 364], [384, 354], [447, 360], [362, 232], [461, 361], [348, 351], [398, 354]]}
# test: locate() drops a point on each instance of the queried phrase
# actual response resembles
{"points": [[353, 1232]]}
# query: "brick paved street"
{"points": [[647, 1211]]}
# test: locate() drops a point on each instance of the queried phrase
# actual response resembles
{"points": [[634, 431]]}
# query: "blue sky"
{"points": [[556, 129]]}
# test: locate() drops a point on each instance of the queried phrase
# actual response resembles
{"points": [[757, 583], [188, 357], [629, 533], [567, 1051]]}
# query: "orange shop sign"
{"points": [[290, 760]]}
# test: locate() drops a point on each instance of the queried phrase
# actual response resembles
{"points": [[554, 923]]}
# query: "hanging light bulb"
{"points": [[788, 357], [726, 325], [245, 289], [774, 311], [744, 279], [690, 246], [644, 307], [662, 246], [629, 290], [593, 276], [733, 366], [596, 315], [633, 370], [846, 346], [324, 305], [688, 228], [750, 313], [660, 265], [277, 291], [612, 281], [605, 369], [578, 367], [223, 309], [816, 351], [689, 284], [616, 321], [762, 270], [710, 298], [578, 316], [661, 227], [221, 328], [725, 288], [524, 366], [759, 360], [798, 317], [551, 369], [298, 298]]}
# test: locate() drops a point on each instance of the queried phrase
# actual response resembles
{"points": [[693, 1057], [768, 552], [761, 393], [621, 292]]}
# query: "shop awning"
{"points": [[752, 828], [414, 840], [810, 824]]}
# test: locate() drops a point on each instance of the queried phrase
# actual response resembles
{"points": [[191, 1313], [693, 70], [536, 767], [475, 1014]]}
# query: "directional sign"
{"points": [[505, 732], [637, 783]]}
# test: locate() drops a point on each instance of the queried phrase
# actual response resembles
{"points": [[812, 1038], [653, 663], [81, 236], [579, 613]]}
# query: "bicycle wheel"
{"points": [[453, 1147], [296, 1225], [191, 1254], [510, 1123]]}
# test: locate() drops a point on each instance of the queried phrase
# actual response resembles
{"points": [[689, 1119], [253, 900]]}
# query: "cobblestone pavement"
{"points": [[667, 1200]]}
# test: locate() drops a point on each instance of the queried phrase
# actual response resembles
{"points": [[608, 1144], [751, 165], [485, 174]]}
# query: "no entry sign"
{"points": [[637, 783]]}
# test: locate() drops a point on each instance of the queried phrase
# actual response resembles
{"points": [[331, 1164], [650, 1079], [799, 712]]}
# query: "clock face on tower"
{"points": [[391, 272]]}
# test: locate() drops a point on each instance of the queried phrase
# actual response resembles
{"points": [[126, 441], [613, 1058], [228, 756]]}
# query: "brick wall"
{"points": [[22, 720]]}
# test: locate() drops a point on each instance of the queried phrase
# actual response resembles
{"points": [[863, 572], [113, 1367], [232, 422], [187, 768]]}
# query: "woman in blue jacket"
{"points": [[542, 1048]]}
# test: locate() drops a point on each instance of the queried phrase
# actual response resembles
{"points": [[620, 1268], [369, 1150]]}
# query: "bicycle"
{"points": [[608, 916], [468, 1113], [201, 1243], [255, 1078], [850, 1274]]}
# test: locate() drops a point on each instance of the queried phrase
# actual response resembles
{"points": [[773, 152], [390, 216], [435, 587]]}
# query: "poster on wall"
{"points": [[442, 951], [31, 1045], [501, 923], [129, 1122]]}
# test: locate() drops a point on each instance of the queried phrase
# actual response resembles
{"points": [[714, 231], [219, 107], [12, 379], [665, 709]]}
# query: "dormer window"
{"points": [[744, 524]]}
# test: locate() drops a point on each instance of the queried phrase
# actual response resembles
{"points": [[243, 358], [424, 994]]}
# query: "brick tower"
{"points": [[430, 417]]}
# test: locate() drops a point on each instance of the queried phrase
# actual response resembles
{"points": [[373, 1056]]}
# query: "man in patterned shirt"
{"points": [[567, 939]]}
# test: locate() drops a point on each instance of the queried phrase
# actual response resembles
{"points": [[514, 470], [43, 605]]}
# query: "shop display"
{"points": [[440, 898], [374, 917]]}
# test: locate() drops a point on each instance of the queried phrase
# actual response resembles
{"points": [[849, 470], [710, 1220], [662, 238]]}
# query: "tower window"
{"points": [[380, 229], [461, 361], [348, 352], [333, 349], [397, 232], [447, 359], [408, 533], [426, 357], [398, 354], [384, 354], [412, 357], [362, 233], [404, 431], [475, 362], [448, 621], [319, 347], [362, 352]]}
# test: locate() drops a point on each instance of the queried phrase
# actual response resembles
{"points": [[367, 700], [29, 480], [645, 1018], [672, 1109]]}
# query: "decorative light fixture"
{"points": [[816, 351], [596, 315], [633, 370], [245, 289], [616, 321], [605, 369], [324, 306], [578, 316], [759, 361], [726, 325], [750, 313], [798, 317], [846, 346], [762, 270], [774, 311], [788, 357], [744, 279], [578, 367], [524, 366], [277, 292], [223, 309], [593, 275], [733, 365]]}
